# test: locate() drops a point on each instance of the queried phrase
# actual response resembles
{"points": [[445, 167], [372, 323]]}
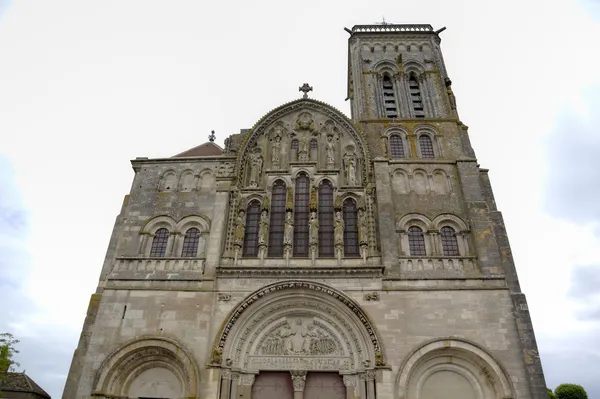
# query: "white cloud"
{"points": [[86, 86]]}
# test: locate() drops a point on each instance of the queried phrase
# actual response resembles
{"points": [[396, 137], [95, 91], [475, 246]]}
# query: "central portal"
{"points": [[298, 385]]}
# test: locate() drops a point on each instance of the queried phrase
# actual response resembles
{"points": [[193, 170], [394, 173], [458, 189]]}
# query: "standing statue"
{"points": [[330, 151], [256, 163], [313, 229], [240, 229], [288, 230], [338, 229], [350, 168], [263, 229], [275, 157], [363, 227]]}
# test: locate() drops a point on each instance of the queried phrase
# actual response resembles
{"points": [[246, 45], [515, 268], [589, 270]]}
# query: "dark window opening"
{"points": [[389, 97], [416, 241], [251, 233], [351, 247], [326, 244], [277, 222], [301, 215], [426, 146], [449, 241], [159, 244], [396, 146], [190, 243]]}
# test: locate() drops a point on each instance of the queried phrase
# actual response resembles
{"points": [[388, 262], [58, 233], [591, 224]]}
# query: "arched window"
{"points": [[277, 221], [326, 219], [190, 242], [449, 242], [396, 146], [301, 215], [350, 229], [313, 144], [426, 146], [295, 144], [389, 97], [251, 233], [415, 96], [159, 244], [416, 241]]}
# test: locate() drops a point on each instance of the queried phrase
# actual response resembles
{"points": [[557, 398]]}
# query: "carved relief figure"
{"points": [[256, 163], [298, 338], [313, 229], [240, 228], [330, 151], [263, 230], [288, 232], [363, 227], [338, 229], [275, 158], [350, 166]]}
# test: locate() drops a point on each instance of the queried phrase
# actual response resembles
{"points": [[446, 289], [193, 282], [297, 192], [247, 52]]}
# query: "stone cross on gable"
{"points": [[212, 136], [305, 88]]}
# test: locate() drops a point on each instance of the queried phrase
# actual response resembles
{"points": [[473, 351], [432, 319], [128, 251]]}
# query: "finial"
{"points": [[212, 136], [305, 88]]}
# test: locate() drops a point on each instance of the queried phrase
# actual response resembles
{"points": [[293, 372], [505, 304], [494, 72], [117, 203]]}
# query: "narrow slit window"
{"points": [[416, 241], [277, 222], [449, 241], [426, 146], [396, 146], [159, 244], [313, 144], [301, 215], [350, 229], [251, 233], [389, 97], [295, 145], [326, 243], [415, 97], [190, 243]]}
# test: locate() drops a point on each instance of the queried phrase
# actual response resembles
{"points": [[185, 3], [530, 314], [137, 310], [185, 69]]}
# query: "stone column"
{"points": [[143, 243], [171, 243], [246, 382], [234, 385], [350, 383], [225, 383], [370, 384], [362, 386], [413, 145], [298, 381]]}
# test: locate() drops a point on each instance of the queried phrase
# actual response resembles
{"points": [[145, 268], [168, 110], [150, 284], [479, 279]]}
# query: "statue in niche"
{"points": [[350, 166], [288, 231], [330, 151], [240, 229], [338, 229], [363, 227], [275, 158], [303, 149], [450, 93], [263, 229], [256, 163], [313, 229]]}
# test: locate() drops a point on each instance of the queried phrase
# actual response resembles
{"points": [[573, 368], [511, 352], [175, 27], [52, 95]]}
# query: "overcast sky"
{"points": [[85, 86]]}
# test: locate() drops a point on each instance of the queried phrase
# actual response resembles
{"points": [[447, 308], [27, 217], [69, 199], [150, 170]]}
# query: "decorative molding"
{"points": [[298, 380], [372, 296], [222, 297], [300, 272]]}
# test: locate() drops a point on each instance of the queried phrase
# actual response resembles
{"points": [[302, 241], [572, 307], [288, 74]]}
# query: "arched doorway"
{"points": [[305, 332]]}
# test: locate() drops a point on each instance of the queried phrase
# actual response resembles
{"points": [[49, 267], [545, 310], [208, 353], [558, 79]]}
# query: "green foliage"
{"points": [[570, 391], [551, 394], [7, 351]]}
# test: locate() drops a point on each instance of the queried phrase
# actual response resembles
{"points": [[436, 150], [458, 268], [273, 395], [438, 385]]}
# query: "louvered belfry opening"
{"points": [[415, 96], [389, 98]]}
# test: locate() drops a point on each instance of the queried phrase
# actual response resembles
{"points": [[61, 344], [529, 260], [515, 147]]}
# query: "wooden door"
{"points": [[324, 386], [273, 385]]}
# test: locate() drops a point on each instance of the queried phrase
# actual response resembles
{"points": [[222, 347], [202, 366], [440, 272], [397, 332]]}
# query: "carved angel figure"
{"points": [[338, 229]]}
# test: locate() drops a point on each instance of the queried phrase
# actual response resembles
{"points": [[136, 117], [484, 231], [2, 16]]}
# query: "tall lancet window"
{"points": [[301, 215], [326, 219], [277, 219], [396, 146], [415, 96], [350, 229], [251, 233], [389, 97]]}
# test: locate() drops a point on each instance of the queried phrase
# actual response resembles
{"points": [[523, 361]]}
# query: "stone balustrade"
{"points": [[136, 264], [438, 266]]}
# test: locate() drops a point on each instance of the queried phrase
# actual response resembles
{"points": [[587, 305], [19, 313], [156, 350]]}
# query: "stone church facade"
{"points": [[317, 256]]}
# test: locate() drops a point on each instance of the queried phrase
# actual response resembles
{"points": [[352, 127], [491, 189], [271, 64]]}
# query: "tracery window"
{"points": [[190, 243], [426, 146], [396, 146], [159, 244], [301, 215], [415, 96], [326, 244], [449, 241], [416, 241], [351, 247], [251, 233], [277, 222], [389, 97]]}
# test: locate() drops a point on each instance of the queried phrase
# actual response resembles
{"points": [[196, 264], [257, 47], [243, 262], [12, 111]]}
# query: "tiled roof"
{"points": [[20, 382], [206, 149]]}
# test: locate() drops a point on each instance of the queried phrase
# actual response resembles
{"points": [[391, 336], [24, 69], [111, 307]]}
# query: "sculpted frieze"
{"points": [[299, 336], [299, 363]]}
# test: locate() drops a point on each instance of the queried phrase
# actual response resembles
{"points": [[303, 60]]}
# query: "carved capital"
{"points": [[226, 374], [371, 375], [247, 379], [349, 381], [298, 379]]}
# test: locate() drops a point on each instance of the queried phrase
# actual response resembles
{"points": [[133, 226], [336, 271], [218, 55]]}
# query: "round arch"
{"points": [[120, 369], [485, 376], [298, 325]]}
